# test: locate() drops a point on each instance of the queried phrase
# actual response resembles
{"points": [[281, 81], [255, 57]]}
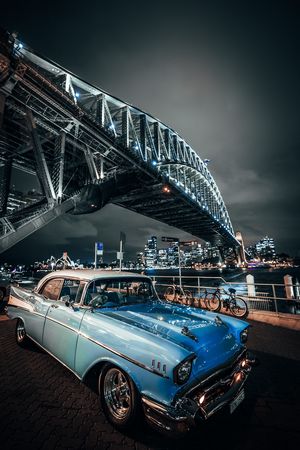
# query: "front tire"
{"points": [[119, 397], [21, 335], [239, 308]]}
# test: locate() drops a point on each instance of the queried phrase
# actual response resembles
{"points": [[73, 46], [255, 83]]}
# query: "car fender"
{"points": [[116, 362]]}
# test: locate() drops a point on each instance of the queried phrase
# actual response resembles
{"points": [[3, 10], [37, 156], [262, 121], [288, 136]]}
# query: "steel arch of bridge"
{"points": [[66, 126]]}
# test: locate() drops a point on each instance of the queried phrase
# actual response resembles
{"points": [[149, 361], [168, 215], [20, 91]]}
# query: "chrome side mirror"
{"points": [[65, 299], [68, 302]]}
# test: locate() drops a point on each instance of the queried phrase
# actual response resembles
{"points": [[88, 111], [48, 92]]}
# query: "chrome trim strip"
{"points": [[39, 314], [22, 308], [62, 324], [9, 305], [133, 361]]}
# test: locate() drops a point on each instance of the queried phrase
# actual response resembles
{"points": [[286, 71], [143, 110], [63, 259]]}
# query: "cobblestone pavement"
{"points": [[44, 406]]}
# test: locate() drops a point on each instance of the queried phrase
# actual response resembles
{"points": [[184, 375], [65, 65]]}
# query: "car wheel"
{"points": [[119, 397], [21, 336]]}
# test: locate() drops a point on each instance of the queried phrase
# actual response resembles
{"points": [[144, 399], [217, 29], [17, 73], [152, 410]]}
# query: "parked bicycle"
{"points": [[177, 294], [236, 305]]}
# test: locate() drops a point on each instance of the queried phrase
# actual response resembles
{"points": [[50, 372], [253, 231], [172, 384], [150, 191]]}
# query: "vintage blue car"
{"points": [[173, 364]]}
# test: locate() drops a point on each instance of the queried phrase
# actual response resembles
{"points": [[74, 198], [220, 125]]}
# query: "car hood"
{"points": [[198, 331]]}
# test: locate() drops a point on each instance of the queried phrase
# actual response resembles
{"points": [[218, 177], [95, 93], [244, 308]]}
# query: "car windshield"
{"points": [[116, 292]]}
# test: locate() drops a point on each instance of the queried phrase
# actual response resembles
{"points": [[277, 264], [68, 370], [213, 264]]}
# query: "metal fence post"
{"points": [[275, 299], [198, 282], [289, 290]]}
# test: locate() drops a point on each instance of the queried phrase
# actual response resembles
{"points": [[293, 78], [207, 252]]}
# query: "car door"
{"points": [[63, 322], [41, 301]]}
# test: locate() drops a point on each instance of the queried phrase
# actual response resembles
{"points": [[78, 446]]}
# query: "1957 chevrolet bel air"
{"points": [[173, 364]]}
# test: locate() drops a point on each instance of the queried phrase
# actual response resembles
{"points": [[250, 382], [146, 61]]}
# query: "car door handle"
{"points": [[54, 306]]}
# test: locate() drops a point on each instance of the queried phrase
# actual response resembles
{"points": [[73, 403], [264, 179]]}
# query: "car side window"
{"points": [[52, 288], [70, 288]]}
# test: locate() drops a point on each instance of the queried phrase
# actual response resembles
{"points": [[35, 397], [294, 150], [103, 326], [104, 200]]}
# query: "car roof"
{"points": [[90, 274]]}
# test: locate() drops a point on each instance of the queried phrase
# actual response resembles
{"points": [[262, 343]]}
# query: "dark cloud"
{"points": [[225, 75]]}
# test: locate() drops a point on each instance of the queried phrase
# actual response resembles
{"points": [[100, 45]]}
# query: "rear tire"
{"points": [[119, 398], [21, 335], [239, 307], [214, 303], [169, 294]]}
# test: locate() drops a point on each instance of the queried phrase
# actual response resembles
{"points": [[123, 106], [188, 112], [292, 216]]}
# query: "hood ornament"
{"points": [[187, 333]]}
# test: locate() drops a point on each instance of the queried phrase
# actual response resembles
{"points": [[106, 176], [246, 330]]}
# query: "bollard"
{"points": [[289, 290], [250, 285], [297, 289]]}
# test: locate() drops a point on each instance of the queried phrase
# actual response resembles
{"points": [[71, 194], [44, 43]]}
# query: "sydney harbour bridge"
{"points": [[88, 148]]}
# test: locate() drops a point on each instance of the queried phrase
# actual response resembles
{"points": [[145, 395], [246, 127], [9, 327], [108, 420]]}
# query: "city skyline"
{"points": [[227, 82], [157, 252]]}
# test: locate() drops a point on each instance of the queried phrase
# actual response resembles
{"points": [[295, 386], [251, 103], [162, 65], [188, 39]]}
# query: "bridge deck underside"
{"points": [[175, 210]]}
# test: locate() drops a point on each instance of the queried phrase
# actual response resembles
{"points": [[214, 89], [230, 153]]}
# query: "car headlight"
{"points": [[244, 336], [183, 371]]}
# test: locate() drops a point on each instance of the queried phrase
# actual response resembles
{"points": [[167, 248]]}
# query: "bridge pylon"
{"points": [[240, 250]]}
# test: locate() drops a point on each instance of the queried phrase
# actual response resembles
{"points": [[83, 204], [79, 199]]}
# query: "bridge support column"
{"points": [[5, 170], [2, 106], [91, 165], [5, 177], [58, 167], [156, 138], [143, 136], [100, 110], [43, 171], [125, 126]]}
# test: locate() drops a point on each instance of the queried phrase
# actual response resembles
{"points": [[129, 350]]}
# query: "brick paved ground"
{"points": [[44, 406]]}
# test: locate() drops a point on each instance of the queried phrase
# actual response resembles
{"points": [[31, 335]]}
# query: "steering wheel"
{"points": [[99, 300], [142, 292]]}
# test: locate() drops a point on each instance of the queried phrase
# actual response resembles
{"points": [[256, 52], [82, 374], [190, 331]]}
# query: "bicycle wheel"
{"points": [[203, 302], [169, 294], [214, 303], [189, 297], [239, 307]]}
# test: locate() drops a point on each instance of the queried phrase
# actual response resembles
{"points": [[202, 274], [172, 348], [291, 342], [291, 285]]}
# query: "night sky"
{"points": [[224, 75]]}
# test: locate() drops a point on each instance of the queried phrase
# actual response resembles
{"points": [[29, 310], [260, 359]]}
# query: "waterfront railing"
{"points": [[275, 298]]}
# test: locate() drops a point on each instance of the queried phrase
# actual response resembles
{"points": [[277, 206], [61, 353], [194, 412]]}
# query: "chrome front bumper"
{"points": [[216, 391]]}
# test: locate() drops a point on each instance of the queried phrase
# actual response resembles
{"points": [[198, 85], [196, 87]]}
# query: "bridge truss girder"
{"points": [[71, 134]]}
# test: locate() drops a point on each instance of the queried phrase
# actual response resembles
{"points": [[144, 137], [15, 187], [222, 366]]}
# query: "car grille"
{"points": [[217, 384]]}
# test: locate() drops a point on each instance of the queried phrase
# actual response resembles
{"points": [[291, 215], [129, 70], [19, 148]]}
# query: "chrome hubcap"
{"points": [[117, 393], [20, 331]]}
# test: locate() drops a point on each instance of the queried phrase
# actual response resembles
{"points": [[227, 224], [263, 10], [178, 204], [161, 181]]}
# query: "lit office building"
{"points": [[151, 252], [265, 248]]}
